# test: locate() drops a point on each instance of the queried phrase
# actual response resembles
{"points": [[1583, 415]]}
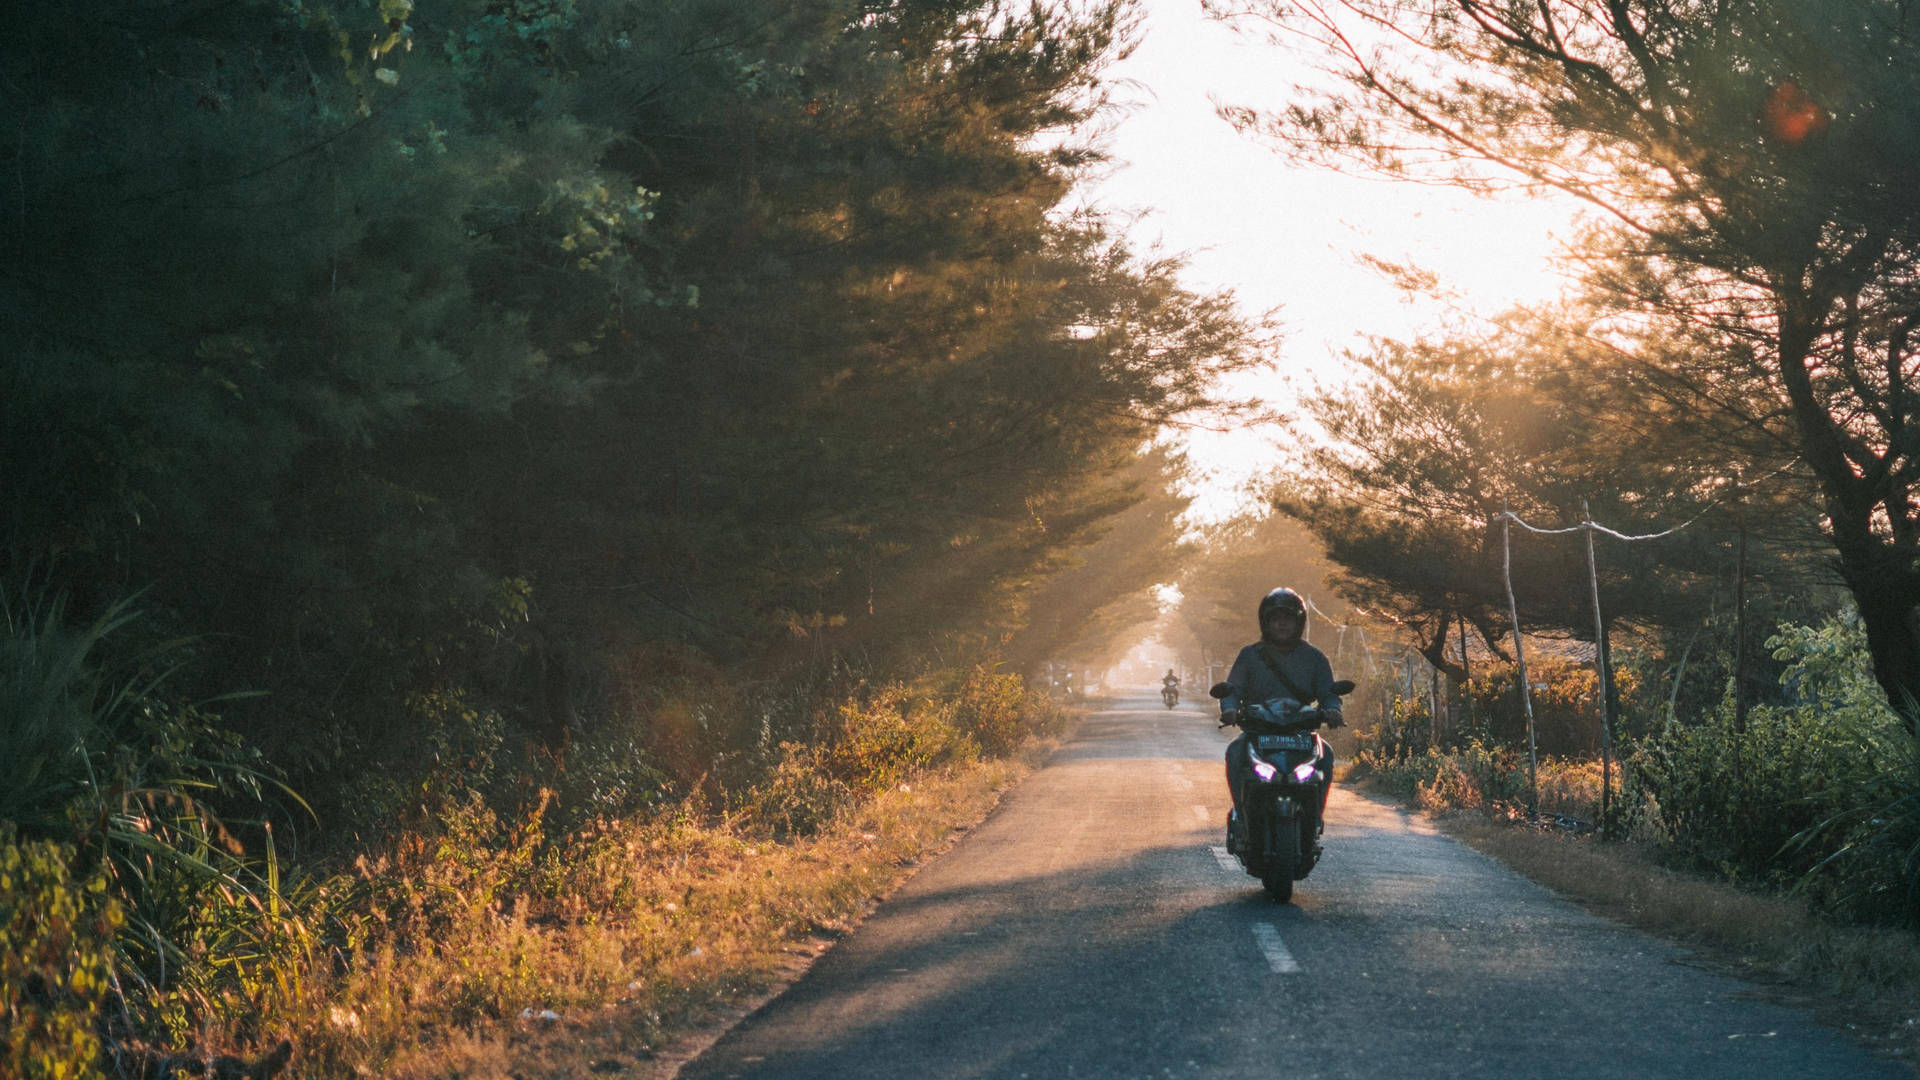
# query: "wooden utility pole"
{"points": [[1600, 666], [1520, 662], [1740, 626], [1433, 706], [1466, 675]]}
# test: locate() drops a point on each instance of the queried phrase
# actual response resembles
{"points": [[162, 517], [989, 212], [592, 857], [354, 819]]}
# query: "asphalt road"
{"points": [[1095, 927]]}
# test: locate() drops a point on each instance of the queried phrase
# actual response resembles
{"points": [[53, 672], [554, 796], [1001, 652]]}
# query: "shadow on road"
{"points": [[1082, 932], [1066, 974]]}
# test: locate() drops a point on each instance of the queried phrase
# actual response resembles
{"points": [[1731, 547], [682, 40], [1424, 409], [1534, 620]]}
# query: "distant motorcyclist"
{"points": [[1279, 665], [1171, 680]]}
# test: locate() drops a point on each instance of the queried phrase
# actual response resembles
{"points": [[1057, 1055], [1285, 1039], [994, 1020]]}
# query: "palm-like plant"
{"points": [[53, 700], [92, 754]]}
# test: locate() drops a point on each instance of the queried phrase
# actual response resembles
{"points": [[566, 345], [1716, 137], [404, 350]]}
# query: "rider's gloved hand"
{"points": [[1333, 718], [1229, 716]]}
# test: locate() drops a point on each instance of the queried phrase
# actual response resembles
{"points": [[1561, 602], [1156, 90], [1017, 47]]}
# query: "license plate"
{"points": [[1284, 742]]}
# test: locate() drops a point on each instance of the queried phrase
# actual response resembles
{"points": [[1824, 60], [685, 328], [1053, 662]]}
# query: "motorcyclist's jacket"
{"points": [[1253, 679]]}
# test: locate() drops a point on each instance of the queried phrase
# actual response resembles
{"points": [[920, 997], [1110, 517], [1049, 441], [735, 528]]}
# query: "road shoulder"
{"points": [[1862, 981]]}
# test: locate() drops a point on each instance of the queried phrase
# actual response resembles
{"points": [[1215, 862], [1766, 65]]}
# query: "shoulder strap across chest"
{"points": [[1273, 665]]}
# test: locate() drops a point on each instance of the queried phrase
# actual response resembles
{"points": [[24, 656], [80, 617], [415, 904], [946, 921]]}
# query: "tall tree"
{"points": [[1750, 156], [414, 353], [1405, 471]]}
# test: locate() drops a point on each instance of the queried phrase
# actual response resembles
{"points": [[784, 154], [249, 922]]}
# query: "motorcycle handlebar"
{"points": [[1303, 719]]}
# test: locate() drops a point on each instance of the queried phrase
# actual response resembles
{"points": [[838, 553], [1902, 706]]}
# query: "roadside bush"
{"points": [[801, 796], [1821, 794], [123, 861], [56, 960], [1569, 786], [1452, 787], [880, 736], [1566, 720], [141, 790], [1477, 776], [1869, 847], [1408, 729], [609, 774], [999, 712], [1391, 768]]}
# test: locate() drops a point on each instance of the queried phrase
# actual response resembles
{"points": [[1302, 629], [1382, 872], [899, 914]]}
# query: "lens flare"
{"points": [[1791, 115]]}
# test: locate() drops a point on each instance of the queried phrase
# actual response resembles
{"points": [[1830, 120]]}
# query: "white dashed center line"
{"points": [[1275, 950], [1225, 860]]}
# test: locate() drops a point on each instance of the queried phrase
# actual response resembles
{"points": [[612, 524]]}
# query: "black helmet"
{"points": [[1283, 600]]}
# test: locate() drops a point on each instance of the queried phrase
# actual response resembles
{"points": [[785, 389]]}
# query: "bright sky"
{"points": [[1286, 236]]}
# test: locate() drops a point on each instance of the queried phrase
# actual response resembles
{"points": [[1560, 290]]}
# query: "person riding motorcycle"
{"points": [[1171, 679], [1279, 665]]}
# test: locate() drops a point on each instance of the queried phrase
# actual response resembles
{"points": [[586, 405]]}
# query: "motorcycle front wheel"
{"points": [[1279, 886], [1283, 861]]}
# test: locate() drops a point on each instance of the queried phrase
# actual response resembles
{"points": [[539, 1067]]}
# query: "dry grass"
{"points": [[693, 921], [496, 929], [1866, 979]]}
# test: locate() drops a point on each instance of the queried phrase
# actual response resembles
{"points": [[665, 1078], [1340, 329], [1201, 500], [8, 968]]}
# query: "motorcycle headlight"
{"points": [[1304, 772], [1261, 769]]}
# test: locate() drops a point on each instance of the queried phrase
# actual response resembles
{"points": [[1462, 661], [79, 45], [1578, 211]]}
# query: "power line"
{"points": [[1739, 489]]}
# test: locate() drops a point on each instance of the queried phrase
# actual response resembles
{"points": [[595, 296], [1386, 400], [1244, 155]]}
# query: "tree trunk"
{"points": [[1887, 592], [1881, 576], [1434, 649]]}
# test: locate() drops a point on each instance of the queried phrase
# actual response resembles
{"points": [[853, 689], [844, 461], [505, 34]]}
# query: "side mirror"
{"points": [[1221, 690], [1343, 687]]}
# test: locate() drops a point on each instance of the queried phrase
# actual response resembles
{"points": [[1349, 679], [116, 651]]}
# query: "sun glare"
{"points": [[1309, 243]]}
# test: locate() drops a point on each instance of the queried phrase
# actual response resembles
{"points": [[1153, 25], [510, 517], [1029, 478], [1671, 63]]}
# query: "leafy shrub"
{"points": [[1392, 768], [56, 936], [1565, 713], [609, 774], [1869, 846], [1407, 731], [1477, 776], [998, 711], [1570, 786], [134, 784], [1822, 793], [883, 735], [800, 796], [1452, 787], [877, 737]]}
